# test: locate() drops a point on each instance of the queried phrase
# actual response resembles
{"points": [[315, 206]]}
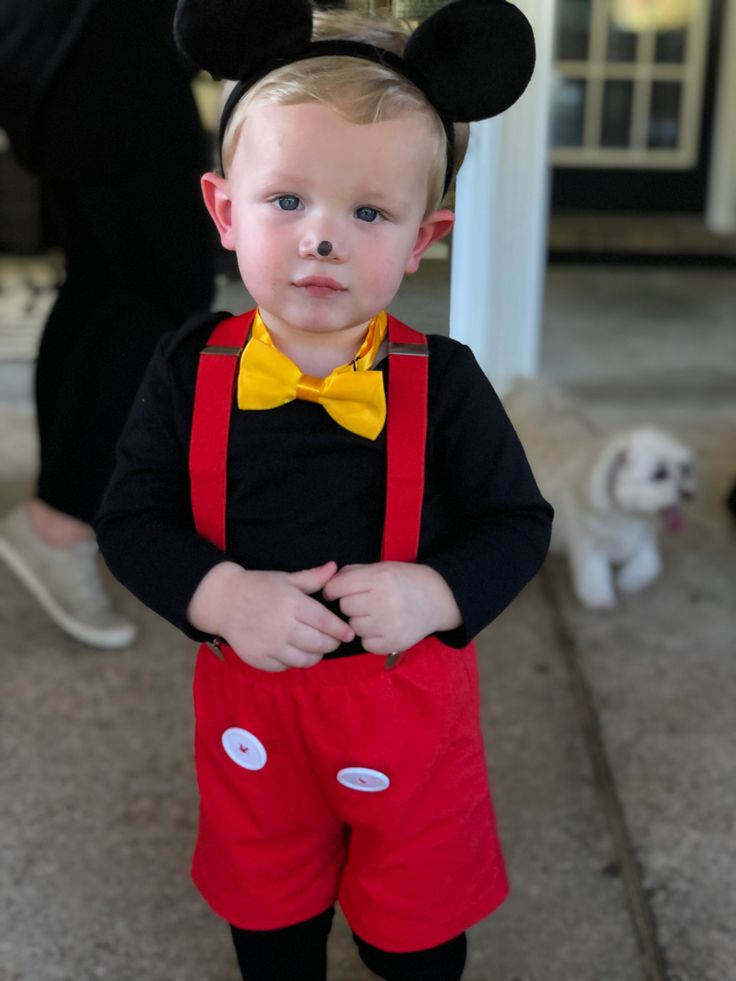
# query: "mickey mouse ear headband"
{"points": [[472, 59]]}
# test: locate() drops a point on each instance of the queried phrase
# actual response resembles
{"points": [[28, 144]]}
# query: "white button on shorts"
{"points": [[361, 778], [244, 748]]}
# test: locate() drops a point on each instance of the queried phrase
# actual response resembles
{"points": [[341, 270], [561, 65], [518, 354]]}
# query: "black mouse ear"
{"points": [[475, 57], [231, 38]]}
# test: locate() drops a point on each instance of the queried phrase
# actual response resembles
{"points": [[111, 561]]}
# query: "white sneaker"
{"points": [[66, 582]]}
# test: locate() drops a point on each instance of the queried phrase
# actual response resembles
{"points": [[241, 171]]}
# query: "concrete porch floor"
{"points": [[610, 737]]}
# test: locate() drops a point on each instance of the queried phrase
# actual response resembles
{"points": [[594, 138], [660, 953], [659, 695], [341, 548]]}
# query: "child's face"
{"points": [[302, 175]]}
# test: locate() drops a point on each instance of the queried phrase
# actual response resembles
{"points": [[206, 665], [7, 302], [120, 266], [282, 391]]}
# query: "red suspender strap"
{"points": [[213, 402], [406, 436]]}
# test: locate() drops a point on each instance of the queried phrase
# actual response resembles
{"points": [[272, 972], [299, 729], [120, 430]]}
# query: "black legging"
{"points": [[119, 149], [300, 952]]}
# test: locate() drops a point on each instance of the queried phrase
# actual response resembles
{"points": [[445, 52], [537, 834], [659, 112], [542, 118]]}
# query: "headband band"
{"points": [[345, 49]]}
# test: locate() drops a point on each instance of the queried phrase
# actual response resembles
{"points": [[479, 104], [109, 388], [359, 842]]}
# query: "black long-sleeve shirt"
{"points": [[302, 490]]}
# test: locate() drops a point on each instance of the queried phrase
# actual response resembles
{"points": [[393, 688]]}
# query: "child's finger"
{"points": [[356, 604], [314, 614], [313, 580], [312, 641], [376, 644], [352, 566], [270, 664], [293, 657], [363, 626], [349, 580]]}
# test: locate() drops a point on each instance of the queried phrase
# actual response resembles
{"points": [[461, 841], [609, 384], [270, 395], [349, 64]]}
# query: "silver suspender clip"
{"points": [[416, 350], [214, 646], [393, 659], [217, 349]]}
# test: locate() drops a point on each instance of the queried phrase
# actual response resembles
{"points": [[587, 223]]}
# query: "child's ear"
{"points": [[432, 229], [216, 194]]}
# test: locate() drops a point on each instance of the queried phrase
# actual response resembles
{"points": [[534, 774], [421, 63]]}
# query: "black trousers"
{"points": [[300, 952], [135, 268], [119, 148]]}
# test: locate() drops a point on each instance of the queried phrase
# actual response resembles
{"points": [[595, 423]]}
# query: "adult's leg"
{"points": [[135, 269], [120, 149], [445, 962], [290, 953]]}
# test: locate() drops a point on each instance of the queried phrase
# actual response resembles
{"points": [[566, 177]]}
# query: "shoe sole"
{"points": [[112, 639]]}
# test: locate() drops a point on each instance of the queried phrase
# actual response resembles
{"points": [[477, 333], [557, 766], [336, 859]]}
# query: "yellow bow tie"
{"points": [[351, 394]]}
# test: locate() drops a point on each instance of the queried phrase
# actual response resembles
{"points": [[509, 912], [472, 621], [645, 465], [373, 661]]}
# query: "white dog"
{"points": [[609, 491]]}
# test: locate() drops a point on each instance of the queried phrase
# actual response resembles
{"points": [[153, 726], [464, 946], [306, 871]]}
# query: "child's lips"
{"points": [[320, 286]]}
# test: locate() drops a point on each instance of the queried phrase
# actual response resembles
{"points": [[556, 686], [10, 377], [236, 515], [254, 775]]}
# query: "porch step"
{"points": [[592, 233]]}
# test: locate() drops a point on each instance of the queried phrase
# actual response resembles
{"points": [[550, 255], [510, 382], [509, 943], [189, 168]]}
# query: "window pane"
{"points": [[568, 109], [574, 30], [621, 45], [664, 121], [616, 121], [670, 47]]}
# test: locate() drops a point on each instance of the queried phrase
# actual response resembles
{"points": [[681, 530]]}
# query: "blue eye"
{"points": [[367, 214], [287, 202]]}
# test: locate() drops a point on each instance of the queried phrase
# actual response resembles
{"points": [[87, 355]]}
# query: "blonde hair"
{"points": [[361, 91]]}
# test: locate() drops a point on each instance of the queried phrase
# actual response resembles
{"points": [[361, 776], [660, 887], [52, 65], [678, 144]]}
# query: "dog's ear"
{"points": [[602, 477]]}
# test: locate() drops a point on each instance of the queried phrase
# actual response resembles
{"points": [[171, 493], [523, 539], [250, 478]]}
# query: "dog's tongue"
{"points": [[673, 519]]}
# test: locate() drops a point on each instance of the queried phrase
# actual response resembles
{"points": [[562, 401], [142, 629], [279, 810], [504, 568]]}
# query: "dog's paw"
{"points": [[596, 597], [640, 570], [592, 577]]}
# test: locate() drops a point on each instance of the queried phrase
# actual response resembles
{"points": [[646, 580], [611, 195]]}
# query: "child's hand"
{"points": [[392, 605], [268, 618]]}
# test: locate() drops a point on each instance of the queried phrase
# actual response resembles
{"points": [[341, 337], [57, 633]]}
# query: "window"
{"points": [[626, 99]]}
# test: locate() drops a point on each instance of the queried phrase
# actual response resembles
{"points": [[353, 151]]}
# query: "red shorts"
{"points": [[347, 782]]}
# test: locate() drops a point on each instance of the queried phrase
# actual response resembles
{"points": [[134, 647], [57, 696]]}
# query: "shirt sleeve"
{"points": [[499, 524], [145, 528]]}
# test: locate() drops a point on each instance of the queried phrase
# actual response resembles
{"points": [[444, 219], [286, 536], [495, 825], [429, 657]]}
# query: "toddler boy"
{"points": [[344, 497]]}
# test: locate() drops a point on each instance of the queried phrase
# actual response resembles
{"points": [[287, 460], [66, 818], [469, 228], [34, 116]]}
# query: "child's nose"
{"points": [[321, 247]]}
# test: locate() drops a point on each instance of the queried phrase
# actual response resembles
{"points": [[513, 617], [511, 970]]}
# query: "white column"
{"points": [[499, 245], [721, 205]]}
